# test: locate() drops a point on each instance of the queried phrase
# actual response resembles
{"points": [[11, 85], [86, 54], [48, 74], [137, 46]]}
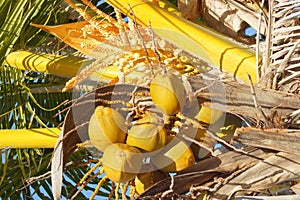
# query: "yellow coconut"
{"points": [[121, 162], [147, 134], [168, 93], [204, 114], [175, 157], [209, 115], [144, 180], [106, 126]]}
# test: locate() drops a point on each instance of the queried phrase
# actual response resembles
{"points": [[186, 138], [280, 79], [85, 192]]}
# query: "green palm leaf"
{"points": [[19, 107]]}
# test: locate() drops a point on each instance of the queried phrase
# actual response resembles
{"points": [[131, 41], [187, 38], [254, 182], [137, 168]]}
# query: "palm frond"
{"points": [[281, 65], [17, 166], [22, 109], [18, 109]]}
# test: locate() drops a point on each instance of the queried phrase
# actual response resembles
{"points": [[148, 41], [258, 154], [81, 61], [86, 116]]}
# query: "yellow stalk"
{"points": [[45, 63], [60, 65], [228, 55], [29, 138]]}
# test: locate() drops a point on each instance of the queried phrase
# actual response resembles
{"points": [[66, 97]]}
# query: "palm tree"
{"points": [[29, 111]]}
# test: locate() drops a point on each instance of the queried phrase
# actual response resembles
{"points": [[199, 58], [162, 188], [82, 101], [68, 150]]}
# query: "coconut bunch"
{"points": [[152, 142]]}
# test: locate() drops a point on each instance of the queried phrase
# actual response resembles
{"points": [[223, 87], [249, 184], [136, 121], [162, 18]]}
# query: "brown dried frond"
{"points": [[230, 17], [281, 65]]}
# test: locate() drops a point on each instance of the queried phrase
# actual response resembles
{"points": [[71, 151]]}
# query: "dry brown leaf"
{"points": [[276, 169], [206, 170], [190, 8], [57, 168], [286, 140], [296, 188], [280, 69], [228, 17], [277, 197], [231, 96]]}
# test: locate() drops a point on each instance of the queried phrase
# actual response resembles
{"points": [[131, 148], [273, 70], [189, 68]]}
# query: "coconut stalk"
{"points": [[29, 138], [67, 66]]}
